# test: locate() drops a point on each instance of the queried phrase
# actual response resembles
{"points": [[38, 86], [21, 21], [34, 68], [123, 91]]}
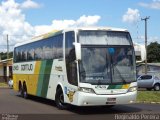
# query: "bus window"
{"points": [[47, 49], [38, 51], [15, 55], [70, 58], [30, 53], [59, 40]]}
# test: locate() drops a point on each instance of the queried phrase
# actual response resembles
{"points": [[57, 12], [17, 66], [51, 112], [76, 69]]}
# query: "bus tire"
{"points": [[25, 94], [20, 90], [59, 100]]}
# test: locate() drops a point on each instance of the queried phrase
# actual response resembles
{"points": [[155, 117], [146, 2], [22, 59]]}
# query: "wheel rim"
{"points": [[157, 87], [21, 92], [61, 99], [25, 94]]}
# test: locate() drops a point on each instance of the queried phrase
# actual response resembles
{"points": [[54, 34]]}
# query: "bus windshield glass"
{"points": [[101, 65], [104, 38], [107, 64]]}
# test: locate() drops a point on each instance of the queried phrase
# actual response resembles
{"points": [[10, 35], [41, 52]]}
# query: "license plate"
{"points": [[111, 99]]}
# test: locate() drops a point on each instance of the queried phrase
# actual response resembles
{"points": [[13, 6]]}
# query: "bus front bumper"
{"points": [[89, 99]]}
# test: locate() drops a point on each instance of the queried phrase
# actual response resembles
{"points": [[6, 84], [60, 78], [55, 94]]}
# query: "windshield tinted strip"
{"points": [[104, 38]]}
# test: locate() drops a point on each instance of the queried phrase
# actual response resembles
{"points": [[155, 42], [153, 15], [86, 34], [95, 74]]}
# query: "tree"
{"points": [[4, 55], [153, 52]]}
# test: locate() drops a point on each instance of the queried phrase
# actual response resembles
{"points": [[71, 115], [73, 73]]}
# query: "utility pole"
{"points": [[145, 19], [7, 63], [7, 47]]}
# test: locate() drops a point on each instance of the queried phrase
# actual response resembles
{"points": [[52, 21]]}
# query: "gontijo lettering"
{"points": [[16, 67], [27, 67]]}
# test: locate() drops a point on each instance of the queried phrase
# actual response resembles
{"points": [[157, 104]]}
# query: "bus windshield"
{"points": [[101, 65], [104, 38], [106, 64]]}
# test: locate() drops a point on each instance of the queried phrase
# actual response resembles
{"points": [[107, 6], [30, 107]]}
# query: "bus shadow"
{"points": [[89, 110], [104, 110], [40, 100]]}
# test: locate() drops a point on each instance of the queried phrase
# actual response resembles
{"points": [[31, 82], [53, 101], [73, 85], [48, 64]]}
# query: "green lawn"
{"points": [[2, 84], [148, 96]]}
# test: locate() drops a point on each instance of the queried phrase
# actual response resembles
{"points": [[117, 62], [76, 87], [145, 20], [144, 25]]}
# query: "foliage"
{"points": [[2, 84], [153, 52], [3, 55], [148, 96]]}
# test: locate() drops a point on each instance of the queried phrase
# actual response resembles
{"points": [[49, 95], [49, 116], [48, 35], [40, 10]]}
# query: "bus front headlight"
{"points": [[132, 89], [87, 90]]}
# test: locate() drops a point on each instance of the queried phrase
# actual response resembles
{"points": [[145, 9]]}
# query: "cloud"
{"points": [[141, 39], [131, 16], [88, 20], [29, 4], [155, 4], [62, 24], [13, 22]]}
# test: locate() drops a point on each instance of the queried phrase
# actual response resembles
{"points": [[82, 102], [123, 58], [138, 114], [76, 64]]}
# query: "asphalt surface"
{"points": [[12, 103]]}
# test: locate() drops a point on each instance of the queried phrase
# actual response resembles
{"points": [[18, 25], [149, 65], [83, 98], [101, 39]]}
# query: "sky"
{"points": [[24, 19]]}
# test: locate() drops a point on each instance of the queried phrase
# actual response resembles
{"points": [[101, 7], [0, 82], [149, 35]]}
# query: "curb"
{"points": [[148, 102]]}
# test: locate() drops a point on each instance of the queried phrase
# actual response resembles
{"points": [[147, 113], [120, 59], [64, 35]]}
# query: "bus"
{"points": [[80, 66]]}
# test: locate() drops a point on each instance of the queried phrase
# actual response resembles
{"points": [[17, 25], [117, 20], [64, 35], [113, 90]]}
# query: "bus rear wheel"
{"points": [[25, 95], [20, 90], [59, 100]]}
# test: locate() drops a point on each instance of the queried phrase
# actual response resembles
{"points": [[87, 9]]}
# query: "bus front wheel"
{"points": [[59, 99]]}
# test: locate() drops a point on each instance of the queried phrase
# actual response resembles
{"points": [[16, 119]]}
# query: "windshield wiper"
{"points": [[119, 74]]}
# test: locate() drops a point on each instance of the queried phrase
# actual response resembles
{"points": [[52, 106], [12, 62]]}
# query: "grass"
{"points": [[3, 84], [148, 96]]}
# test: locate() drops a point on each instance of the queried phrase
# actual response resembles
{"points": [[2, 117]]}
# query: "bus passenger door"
{"points": [[71, 67]]}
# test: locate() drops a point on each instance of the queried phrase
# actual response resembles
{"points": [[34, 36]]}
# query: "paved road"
{"points": [[11, 103]]}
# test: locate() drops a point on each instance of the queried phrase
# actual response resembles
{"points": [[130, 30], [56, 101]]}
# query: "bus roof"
{"points": [[55, 32]]}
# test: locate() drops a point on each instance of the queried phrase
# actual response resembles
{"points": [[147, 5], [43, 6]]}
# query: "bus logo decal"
{"points": [[70, 95], [58, 68]]}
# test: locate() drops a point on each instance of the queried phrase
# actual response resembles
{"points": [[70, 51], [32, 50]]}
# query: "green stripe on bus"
{"points": [[114, 86], [111, 86], [41, 77], [46, 77], [119, 87]]}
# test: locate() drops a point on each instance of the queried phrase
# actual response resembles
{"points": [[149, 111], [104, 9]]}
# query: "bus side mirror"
{"points": [[78, 51]]}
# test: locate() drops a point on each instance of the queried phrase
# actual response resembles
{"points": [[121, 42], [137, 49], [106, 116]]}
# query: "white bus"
{"points": [[81, 66]]}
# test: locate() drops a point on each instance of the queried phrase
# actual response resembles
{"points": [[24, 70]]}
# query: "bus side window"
{"points": [[15, 55], [19, 55], [70, 58], [60, 46], [54, 49], [47, 49], [30, 52], [38, 52]]}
